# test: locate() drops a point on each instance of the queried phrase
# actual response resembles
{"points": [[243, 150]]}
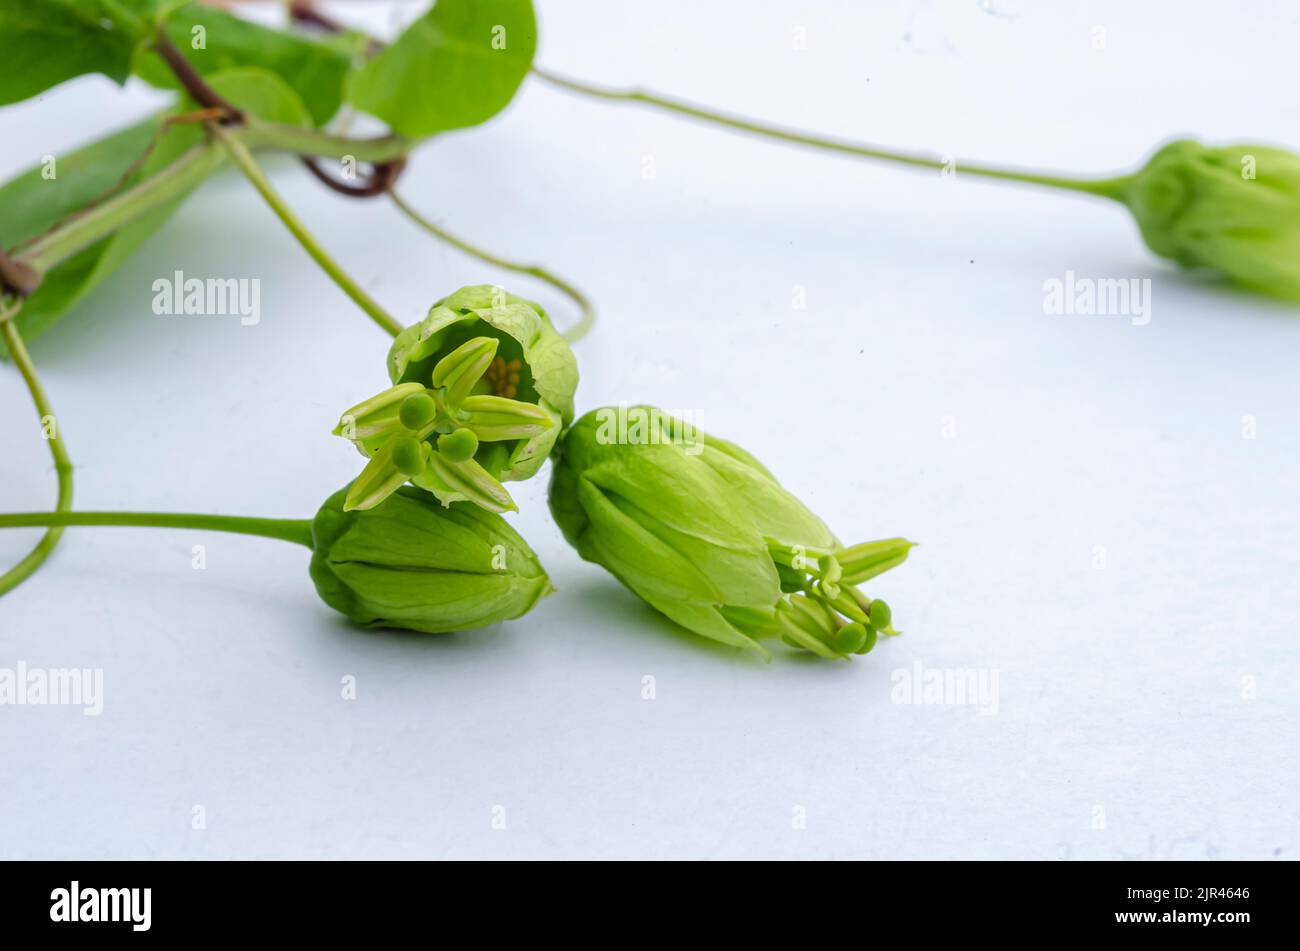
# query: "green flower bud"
{"points": [[490, 368], [698, 529], [412, 563], [1235, 210]]}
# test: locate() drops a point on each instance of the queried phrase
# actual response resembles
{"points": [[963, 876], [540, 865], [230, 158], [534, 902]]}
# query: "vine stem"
{"points": [[191, 80], [43, 253], [253, 172], [62, 463], [296, 530], [587, 313], [59, 244], [1106, 188]]}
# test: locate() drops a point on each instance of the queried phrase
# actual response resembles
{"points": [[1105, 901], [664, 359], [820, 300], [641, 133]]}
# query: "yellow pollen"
{"points": [[504, 377]]}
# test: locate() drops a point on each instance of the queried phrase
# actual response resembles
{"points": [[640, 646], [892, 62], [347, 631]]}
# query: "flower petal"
{"points": [[464, 481], [377, 416], [377, 481], [495, 418], [459, 370]]}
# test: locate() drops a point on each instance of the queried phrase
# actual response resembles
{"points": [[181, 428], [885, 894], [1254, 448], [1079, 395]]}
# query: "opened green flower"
{"points": [[482, 388], [698, 529], [1234, 209]]}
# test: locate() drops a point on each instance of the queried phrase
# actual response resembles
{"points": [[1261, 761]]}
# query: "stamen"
{"points": [[504, 376]]}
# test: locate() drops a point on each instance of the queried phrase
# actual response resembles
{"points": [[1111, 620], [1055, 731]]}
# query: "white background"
{"points": [[1125, 693]]}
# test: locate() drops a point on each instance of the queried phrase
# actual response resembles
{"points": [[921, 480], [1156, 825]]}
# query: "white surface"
{"points": [[1122, 689]]}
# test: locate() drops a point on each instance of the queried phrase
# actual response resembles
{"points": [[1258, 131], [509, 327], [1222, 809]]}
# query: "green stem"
{"points": [[253, 172], [62, 464], [290, 138], [587, 313], [81, 231], [1108, 188], [294, 530]]}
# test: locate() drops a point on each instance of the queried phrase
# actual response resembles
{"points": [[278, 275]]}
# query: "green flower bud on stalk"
{"points": [[485, 382], [697, 528], [408, 562], [412, 563], [1234, 209]]}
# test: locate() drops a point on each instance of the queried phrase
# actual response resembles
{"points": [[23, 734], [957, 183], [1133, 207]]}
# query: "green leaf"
{"points": [[262, 92], [458, 65], [214, 42], [34, 202], [47, 42]]}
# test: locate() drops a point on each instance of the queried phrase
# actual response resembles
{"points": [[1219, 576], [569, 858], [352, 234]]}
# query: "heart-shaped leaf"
{"points": [[458, 65]]}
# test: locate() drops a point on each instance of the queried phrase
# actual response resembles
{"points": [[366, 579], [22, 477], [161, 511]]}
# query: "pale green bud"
{"points": [[410, 562], [1234, 210]]}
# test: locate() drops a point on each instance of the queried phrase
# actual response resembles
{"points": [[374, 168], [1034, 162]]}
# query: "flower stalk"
{"points": [[586, 312], [62, 462], [297, 531], [243, 158], [409, 563], [1106, 188]]}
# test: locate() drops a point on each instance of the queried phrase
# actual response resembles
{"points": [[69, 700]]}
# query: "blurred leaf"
{"points": [[32, 203], [458, 65], [262, 92], [315, 70], [47, 42]]}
